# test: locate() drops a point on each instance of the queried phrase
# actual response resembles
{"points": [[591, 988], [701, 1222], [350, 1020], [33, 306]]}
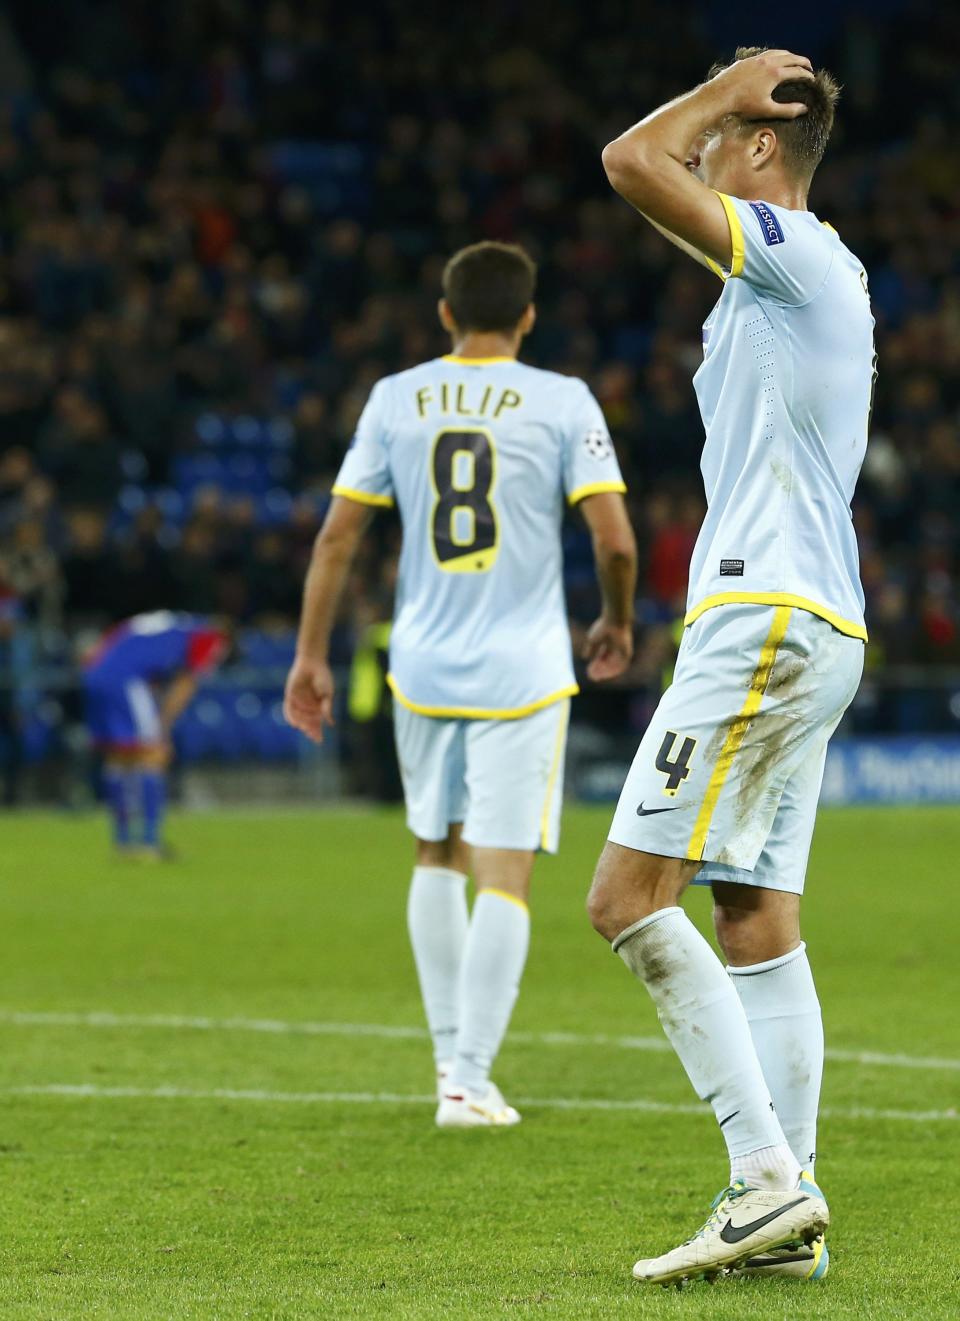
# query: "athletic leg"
{"points": [[759, 932], [113, 723], [437, 920], [493, 961], [757, 920], [431, 759], [514, 776], [120, 789], [634, 904], [152, 762]]}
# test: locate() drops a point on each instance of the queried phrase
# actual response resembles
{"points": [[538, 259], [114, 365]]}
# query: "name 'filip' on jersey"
{"points": [[466, 400]]}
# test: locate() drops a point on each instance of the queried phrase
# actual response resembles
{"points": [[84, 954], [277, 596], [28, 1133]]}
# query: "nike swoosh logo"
{"points": [[732, 1233], [787, 1257], [653, 811]]}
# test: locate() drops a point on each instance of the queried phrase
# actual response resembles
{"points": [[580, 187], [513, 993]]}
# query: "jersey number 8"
{"points": [[464, 528]]}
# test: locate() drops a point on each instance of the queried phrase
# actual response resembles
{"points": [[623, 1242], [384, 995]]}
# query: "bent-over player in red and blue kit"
{"points": [[137, 683]]}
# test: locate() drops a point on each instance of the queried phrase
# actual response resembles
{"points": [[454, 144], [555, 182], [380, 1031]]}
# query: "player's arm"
{"points": [[688, 248], [609, 644], [178, 696], [308, 700], [649, 165]]}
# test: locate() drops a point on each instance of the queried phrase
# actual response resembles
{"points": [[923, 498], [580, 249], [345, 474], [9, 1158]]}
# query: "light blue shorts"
{"points": [[503, 779], [729, 770]]}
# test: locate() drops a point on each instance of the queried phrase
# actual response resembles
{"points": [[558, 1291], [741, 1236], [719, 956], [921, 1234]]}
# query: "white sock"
{"points": [[493, 963], [704, 1019], [437, 919], [780, 1001], [770, 1167]]}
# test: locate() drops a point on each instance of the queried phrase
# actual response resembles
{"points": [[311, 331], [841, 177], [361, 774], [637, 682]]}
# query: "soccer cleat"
{"points": [[145, 853], [443, 1073], [799, 1262], [743, 1223], [463, 1109], [802, 1263]]}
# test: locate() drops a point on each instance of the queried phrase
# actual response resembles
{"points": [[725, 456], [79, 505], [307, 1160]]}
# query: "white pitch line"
{"points": [[92, 1091], [386, 1031]]}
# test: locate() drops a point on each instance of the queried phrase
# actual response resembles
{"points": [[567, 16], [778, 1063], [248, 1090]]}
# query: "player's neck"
{"points": [[781, 190], [485, 344]]}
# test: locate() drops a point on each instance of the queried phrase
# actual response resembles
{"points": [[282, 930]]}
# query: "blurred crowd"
{"points": [[221, 222]]}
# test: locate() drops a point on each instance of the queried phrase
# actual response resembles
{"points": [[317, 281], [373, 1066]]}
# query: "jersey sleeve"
{"points": [[589, 460], [364, 475], [782, 254], [206, 648]]}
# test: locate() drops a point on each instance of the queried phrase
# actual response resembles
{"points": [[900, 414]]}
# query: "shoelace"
{"points": [[718, 1207]]}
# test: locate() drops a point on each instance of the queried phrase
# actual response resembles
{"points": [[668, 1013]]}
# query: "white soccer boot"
{"points": [[463, 1109], [743, 1223], [443, 1073], [802, 1263], [799, 1262]]}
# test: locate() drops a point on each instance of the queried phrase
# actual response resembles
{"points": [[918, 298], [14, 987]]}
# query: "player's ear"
{"points": [[762, 148], [446, 317], [528, 320]]}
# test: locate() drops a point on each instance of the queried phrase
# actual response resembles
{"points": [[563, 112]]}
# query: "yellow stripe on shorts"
{"points": [[738, 730], [554, 772]]}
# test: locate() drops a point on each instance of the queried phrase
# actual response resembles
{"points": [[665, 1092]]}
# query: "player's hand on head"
{"points": [[308, 697], [751, 84], [608, 649]]}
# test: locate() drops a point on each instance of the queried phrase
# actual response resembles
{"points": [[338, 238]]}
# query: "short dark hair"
{"points": [[805, 138], [489, 286]]}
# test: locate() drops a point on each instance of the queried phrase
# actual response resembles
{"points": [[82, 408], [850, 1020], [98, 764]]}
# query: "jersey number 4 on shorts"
{"points": [[677, 769]]}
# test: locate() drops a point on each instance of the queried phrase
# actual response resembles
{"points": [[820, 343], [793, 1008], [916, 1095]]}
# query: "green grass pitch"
{"points": [[180, 1045]]}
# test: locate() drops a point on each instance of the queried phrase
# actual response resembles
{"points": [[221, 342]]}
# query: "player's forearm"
{"points": [[176, 700], [643, 159], [617, 575], [326, 579]]}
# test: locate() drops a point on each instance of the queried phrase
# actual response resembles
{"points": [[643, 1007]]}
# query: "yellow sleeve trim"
{"points": [[847, 626], [736, 235], [476, 712], [364, 497], [738, 731], [595, 488], [714, 266], [475, 362], [504, 894]]}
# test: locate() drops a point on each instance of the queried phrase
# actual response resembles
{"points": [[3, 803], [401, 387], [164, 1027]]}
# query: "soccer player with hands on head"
{"points": [[481, 453], [724, 787]]}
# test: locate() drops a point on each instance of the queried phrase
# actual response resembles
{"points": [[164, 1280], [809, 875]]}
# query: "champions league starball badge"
{"points": [[598, 444]]}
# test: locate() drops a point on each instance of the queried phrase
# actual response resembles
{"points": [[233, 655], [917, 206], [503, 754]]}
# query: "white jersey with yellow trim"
{"points": [[480, 455], [785, 391]]}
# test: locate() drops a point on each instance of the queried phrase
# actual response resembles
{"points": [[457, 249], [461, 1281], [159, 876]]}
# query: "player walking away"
{"points": [[121, 681], [725, 782], [478, 451]]}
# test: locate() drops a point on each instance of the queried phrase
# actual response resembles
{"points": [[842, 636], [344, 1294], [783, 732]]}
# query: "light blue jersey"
{"points": [[785, 391], [480, 456]]}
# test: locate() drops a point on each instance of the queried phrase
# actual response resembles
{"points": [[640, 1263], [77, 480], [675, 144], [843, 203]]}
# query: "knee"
{"points": [[600, 909], [749, 935], [435, 853], [609, 908], [734, 934], [629, 885]]}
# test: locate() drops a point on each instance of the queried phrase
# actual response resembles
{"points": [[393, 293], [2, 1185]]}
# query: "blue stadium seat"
{"points": [[209, 429]]}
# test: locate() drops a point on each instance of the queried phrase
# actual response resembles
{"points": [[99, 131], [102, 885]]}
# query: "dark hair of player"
{"points": [[804, 139], [489, 286]]}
